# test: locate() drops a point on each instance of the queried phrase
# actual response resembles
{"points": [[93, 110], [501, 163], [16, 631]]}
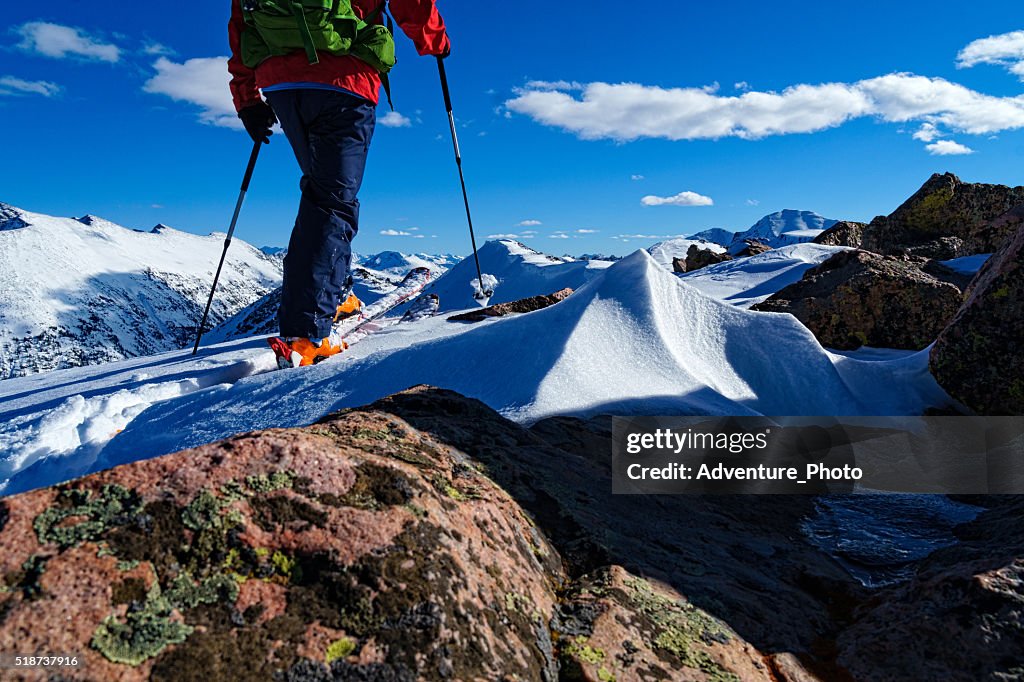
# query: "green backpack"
{"points": [[279, 27]]}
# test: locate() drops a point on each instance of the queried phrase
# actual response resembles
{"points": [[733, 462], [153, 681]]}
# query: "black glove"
{"points": [[258, 120]]}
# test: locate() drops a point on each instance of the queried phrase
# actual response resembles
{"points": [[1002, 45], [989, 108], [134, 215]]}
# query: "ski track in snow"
{"points": [[633, 339]]}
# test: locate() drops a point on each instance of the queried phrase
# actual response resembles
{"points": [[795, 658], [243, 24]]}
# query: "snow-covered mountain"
{"points": [[521, 272], [633, 339], [715, 235], [663, 252], [84, 291], [783, 228], [397, 264]]}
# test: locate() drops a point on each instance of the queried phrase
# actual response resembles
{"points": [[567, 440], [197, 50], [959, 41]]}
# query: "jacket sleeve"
{"points": [[420, 20], [243, 79]]}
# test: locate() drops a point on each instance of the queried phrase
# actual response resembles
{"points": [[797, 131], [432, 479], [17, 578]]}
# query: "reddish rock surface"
{"points": [[843, 233], [523, 305]]}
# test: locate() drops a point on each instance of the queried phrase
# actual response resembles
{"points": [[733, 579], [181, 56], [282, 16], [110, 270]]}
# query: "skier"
{"points": [[320, 65]]}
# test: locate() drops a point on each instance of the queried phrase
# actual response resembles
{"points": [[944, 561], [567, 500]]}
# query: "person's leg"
{"points": [[330, 133]]}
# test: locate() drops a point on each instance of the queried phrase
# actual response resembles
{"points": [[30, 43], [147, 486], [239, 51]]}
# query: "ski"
{"points": [[350, 330]]}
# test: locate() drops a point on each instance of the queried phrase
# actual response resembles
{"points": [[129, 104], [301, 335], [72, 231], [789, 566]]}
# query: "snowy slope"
{"points": [[634, 339], [663, 252], [85, 291], [784, 228], [746, 281], [521, 272]]}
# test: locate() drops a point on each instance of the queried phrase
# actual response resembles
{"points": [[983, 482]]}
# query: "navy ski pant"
{"points": [[330, 133]]}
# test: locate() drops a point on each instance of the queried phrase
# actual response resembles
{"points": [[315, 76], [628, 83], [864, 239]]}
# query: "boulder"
{"points": [[697, 258], [357, 549], [843, 233], [978, 358], [858, 298], [752, 248], [991, 236], [678, 265], [523, 305], [946, 218], [960, 618]]}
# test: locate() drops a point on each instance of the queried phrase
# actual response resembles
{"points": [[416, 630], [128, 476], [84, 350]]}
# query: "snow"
{"points": [[967, 265], [397, 264], [783, 228], [746, 281], [664, 252], [717, 235], [633, 339]]}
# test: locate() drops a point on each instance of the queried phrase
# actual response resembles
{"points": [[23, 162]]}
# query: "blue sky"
{"points": [[727, 106]]}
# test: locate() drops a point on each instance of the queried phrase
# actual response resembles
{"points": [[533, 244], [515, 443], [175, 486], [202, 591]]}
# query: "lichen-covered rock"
{"points": [[857, 298], [843, 233], [979, 357], [523, 305], [357, 549], [961, 618], [697, 258], [752, 247], [946, 218], [613, 625]]}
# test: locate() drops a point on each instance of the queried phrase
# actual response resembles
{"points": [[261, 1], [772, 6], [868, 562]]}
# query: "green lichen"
{"points": [[583, 652], [1001, 292], [80, 516], [679, 627], [279, 480], [145, 632], [285, 565], [185, 593], [338, 649], [605, 675]]}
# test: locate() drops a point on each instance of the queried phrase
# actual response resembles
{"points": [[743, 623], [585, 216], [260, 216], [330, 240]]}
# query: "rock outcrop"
{"points": [[697, 258], [961, 618], [858, 298], [523, 305], [979, 357], [946, 218], [843, 233], [752, 247]]}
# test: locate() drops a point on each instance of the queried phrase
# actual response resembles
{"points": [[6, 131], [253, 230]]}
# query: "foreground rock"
{"points": [[857, 298], [946, 218], [524, 305], [752, 247], [358, 544], [697, 258], [843, 233], [978, 358]]}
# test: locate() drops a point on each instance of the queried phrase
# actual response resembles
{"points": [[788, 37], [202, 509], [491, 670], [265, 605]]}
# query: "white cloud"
{"points": [[396, 233], [9, 85], [587, 231], [1005, 50], [554, 85], [741, 85], [753, 202], [927, 133], [560, 235], [529, 223], [503, 236], [681, 199], [630, 111], [636, 178], [393, 119], [948, 148], [54, 40], [157, 50], [202, 82]]}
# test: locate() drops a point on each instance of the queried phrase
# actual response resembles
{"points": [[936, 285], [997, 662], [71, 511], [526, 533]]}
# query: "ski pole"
{"points": [[227, 242], [483, 294]]}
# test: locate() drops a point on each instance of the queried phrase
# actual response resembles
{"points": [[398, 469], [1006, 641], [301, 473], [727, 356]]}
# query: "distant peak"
{"points": [[11, 218]]}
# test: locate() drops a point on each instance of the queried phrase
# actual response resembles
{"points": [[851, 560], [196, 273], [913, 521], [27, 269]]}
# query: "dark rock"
{"points": [[697, 258], [946, 218], [991, 236], [979, 357], [752, 248], [857, 298], [11, 218], [523, 305], [961, 618], [843, 233], [679, 265]]}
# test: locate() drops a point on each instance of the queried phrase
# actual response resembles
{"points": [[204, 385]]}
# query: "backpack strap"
{"points": [[381, 11], [307, 37]]}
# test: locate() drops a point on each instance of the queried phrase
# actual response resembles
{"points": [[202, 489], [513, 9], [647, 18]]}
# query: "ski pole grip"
{"points": [[444, 84], [252, 165]]}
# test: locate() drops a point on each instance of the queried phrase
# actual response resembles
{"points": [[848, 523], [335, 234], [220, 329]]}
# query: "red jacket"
{"points": [[419, 19]]}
